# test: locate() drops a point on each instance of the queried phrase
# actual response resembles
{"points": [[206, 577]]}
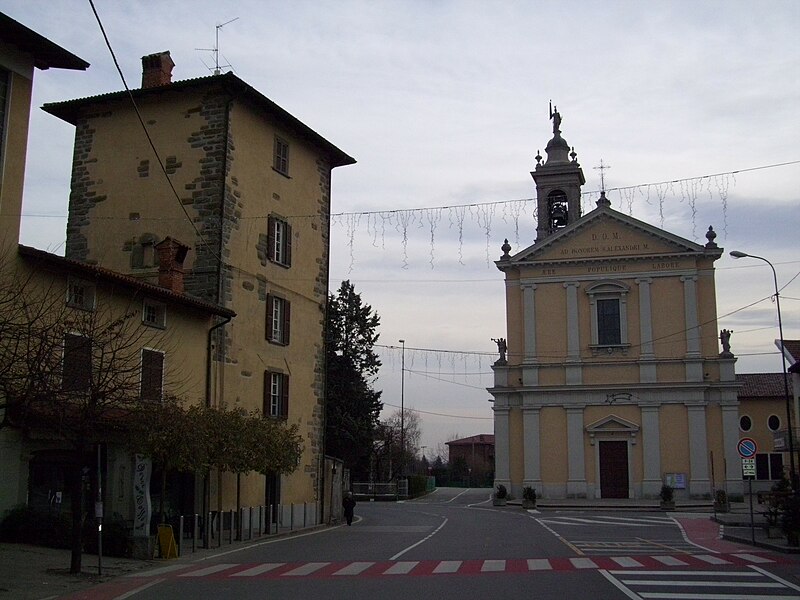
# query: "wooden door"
{"points": [[613, 469]]}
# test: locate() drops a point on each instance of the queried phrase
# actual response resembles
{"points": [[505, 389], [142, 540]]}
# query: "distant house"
{"points": [[477, 451], [762, 417]]}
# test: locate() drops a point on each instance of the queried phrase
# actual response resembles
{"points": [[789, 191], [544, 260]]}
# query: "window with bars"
{"points": [[76, 363], [154, 313], [279, 241], [278, 319], [276, 394], [281, 158], [152, 385], [80, 294]]}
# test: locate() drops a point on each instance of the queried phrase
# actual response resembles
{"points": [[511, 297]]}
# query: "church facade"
{"points": [[611, 381]]}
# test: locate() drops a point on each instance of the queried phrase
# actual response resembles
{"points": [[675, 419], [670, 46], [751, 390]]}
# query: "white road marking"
{"points": [[159, 571], [626, 561], [423, 540], [306, 569], [448, 566], [131, 593], [354, 568], [754, 558], [539, 564], [401, 568], [493, 566], [583, 563], [712, 560], [258, 569], [671, 561], [208, 570]]}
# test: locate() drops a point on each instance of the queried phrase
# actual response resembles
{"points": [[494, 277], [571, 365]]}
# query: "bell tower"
{"points": [[558, 183]]}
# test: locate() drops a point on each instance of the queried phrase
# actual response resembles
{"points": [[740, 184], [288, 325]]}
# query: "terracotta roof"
{"points": [[45, 53], [70, 110], [483, 438], [762, 385], [95, 272]]}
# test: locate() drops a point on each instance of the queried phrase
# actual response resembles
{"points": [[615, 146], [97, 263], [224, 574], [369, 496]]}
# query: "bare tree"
{"points": [[70, 373]]}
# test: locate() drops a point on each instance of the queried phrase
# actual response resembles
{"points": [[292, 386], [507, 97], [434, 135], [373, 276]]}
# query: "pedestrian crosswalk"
{"points": [[638, 564], [751, 583]]}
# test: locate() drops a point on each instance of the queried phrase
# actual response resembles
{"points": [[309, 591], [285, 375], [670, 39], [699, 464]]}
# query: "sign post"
{"points": [[747, 448]]}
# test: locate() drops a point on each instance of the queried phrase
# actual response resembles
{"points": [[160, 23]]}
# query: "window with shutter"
{"points": [[276, 395], [152, 375], [77, 363], [278, 318], [279, 241], [281, 157]]}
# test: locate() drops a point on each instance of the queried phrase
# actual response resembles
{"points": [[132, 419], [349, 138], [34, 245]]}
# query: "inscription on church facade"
{"points": [[605, 243]]}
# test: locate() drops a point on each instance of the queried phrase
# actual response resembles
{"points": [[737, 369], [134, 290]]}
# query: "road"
{"points": [[453, 544]]}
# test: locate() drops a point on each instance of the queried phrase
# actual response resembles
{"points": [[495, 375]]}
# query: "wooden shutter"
{"points": [[267, 387], [77, 363], [271, 238], [287, 311], [288, 244], [270, 309], [284, 396], [152, 375]]}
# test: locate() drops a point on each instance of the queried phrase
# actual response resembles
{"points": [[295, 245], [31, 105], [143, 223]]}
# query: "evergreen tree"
{"points": [[352, 407]]}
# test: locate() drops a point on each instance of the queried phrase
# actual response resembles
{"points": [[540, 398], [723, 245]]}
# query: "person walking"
{"points": [[348, 503]]}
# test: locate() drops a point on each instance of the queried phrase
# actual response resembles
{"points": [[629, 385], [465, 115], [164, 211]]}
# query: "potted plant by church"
{"points": [[528, 497], [667, 496], [721, 502], [500, 495]]}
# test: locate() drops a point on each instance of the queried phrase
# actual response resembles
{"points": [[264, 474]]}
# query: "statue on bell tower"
{"points": [[558, 183]]}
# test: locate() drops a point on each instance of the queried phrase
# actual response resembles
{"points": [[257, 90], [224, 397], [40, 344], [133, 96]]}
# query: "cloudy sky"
{"points": [[444, 104]]}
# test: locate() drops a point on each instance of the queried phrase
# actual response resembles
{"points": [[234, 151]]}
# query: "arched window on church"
{"points": [[557, 210]]}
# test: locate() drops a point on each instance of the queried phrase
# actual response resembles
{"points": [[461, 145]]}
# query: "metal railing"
{"points": [[246, 524]]}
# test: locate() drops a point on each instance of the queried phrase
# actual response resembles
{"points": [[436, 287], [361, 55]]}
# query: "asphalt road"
{"points": [[453, 544]]}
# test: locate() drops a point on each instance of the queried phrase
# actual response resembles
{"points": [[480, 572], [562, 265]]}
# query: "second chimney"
{"points": [[157, 69], [171, 254]]}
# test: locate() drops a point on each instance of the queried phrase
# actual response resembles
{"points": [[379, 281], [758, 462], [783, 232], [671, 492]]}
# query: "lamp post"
{"points": [[792, 471], [402, 409]]}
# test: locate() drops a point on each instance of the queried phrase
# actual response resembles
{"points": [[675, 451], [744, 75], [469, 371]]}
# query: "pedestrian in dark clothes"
{"points": [[348, 503]]}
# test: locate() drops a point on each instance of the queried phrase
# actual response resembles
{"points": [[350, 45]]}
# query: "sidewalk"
{"points": [[39, 573]]}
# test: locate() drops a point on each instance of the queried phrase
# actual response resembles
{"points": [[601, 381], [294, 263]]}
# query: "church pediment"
{"points": [[612, 425], [606, 234]]}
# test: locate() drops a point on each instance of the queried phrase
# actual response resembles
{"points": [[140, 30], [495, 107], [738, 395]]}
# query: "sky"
{"points": [[444, 104]]}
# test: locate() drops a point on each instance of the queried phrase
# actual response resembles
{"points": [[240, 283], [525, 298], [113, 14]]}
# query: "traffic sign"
{"points": [[748, 467], [747, 447]]}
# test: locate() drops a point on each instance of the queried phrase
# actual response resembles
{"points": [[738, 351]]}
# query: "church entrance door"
{"points": [[613, 469]]}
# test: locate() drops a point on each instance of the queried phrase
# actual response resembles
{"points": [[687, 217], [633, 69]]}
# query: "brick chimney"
{"points": [[171, 254], [157, 69]]}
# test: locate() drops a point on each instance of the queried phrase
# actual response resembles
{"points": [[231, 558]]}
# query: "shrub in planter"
{"points": [[528, 497], [721, 503], [667, 495], [500, 495]]}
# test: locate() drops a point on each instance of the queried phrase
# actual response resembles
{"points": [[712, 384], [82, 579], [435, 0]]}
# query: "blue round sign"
{"points": [[747, 447]]}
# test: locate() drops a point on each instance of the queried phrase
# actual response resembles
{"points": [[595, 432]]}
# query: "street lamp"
{"points": [[402, 409], [792, 472]]}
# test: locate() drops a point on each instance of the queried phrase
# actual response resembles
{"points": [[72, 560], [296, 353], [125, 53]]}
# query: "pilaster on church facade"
{"points": [[617, 381]]}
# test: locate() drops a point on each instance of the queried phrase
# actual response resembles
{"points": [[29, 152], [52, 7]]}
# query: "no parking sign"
{"points": [[747, 447]]}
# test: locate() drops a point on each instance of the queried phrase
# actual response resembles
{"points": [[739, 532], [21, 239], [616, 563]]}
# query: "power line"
{"points": [[427, 412]]}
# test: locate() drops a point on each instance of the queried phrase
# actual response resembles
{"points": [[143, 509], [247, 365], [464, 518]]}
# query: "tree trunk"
{"points": [[163, 493]]}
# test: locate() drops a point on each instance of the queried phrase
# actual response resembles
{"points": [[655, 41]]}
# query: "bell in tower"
{"points": [[558, 183]]}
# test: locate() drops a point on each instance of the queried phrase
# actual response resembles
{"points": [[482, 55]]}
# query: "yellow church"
{"points": [[611, 381]]}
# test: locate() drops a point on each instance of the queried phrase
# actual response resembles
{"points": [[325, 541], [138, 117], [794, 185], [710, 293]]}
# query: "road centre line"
{"points": [[456, 496], [425, 539]]}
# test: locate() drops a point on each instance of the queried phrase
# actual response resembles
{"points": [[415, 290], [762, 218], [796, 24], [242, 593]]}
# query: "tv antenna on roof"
{"points": [[215, 49]]}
